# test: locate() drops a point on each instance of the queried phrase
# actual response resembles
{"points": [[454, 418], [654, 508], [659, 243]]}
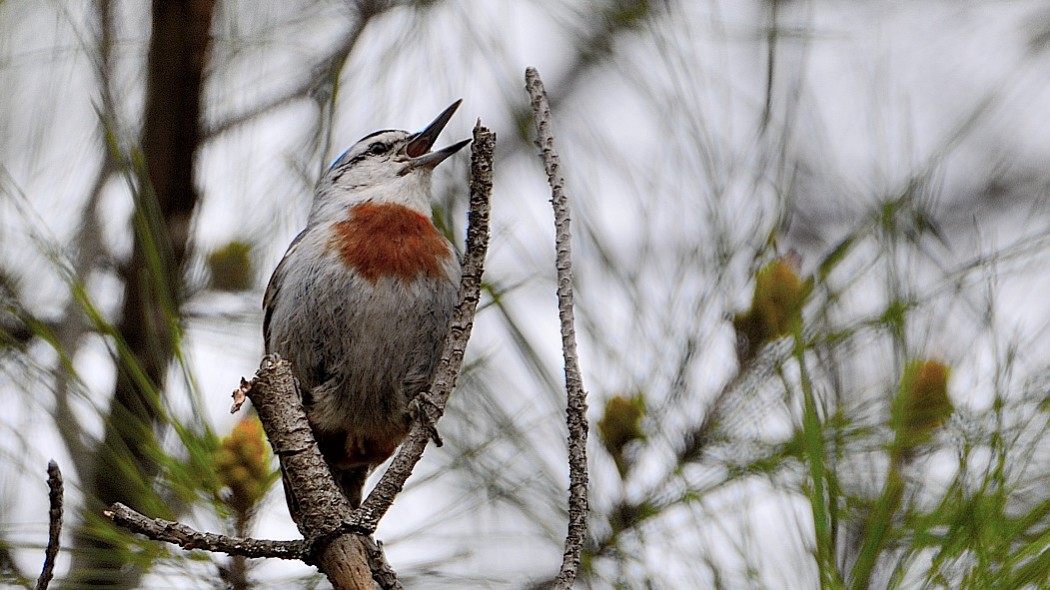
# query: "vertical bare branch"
{"points": [[576, 409], [432, 402], [54, 484]]}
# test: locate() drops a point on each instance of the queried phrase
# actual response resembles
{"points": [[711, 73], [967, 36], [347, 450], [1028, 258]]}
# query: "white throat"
{"points": [[411, 190]]}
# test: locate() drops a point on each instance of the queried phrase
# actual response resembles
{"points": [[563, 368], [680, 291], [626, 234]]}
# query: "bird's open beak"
{"points": [[419, 147]]}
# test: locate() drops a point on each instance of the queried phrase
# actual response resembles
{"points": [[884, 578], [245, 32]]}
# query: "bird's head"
{"points": [[388, 166]]}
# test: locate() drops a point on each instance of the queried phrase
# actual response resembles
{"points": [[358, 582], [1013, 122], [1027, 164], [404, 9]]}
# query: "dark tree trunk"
{"points": [[121, 469]]}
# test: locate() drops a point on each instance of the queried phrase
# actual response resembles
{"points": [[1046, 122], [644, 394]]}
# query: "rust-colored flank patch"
{"points": [[380, 240], [347, 450]]}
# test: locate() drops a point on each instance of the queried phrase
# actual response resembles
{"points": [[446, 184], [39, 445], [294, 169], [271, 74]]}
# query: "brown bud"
{"points": [[923, 404], [620, 425], [231, 267], [242, 463], [776, 306]]}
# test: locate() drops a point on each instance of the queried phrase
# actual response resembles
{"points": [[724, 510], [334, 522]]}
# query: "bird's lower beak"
{"points": [[419, 147], [434, 158]]}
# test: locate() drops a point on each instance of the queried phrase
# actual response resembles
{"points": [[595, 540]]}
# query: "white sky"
{"points": [[661, 149]]}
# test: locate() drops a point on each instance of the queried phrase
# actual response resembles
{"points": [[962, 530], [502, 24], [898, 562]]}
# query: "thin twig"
{"points": [[188, 538], [432, 402], [54, 496], [576, 408]]}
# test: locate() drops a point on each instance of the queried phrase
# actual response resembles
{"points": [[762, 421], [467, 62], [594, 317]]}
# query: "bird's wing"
{"points": [[273, 287]]}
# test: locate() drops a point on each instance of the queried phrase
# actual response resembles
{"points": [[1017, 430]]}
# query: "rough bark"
{"points": [[576, 396]]}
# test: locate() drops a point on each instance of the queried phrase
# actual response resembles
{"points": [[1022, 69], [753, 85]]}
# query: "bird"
{"points": [[360, 303]]}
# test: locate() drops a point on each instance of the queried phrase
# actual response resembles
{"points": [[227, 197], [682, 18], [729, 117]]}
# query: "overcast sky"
{"points": [[664, 149]]}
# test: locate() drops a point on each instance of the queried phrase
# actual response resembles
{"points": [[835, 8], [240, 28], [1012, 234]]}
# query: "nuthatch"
{"points": [[360, 303]]}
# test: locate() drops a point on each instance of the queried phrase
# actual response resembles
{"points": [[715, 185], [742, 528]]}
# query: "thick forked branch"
{"points": [[576, 408], [343, 555], [350, 560], [322, 506]]}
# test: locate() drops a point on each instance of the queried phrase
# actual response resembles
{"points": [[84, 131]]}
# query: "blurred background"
{"points": [[812, 258]]}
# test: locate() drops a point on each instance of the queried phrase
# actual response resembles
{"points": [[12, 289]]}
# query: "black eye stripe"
{"points": [[375, 148]]}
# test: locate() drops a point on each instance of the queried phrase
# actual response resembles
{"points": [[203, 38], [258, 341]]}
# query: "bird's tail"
{"points": [[351, 481]]}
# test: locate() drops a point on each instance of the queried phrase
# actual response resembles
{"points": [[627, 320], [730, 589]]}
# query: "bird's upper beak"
{"points": [[418, 147]]}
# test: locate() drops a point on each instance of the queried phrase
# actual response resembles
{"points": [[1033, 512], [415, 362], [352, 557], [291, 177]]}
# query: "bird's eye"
{"points": [[378, 148]]}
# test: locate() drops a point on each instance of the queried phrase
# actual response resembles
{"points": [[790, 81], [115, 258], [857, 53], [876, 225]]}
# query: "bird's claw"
{"points": [[420, 408]]}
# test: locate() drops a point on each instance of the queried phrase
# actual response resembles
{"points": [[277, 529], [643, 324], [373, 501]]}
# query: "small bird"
{"points": [[360, 303]]}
